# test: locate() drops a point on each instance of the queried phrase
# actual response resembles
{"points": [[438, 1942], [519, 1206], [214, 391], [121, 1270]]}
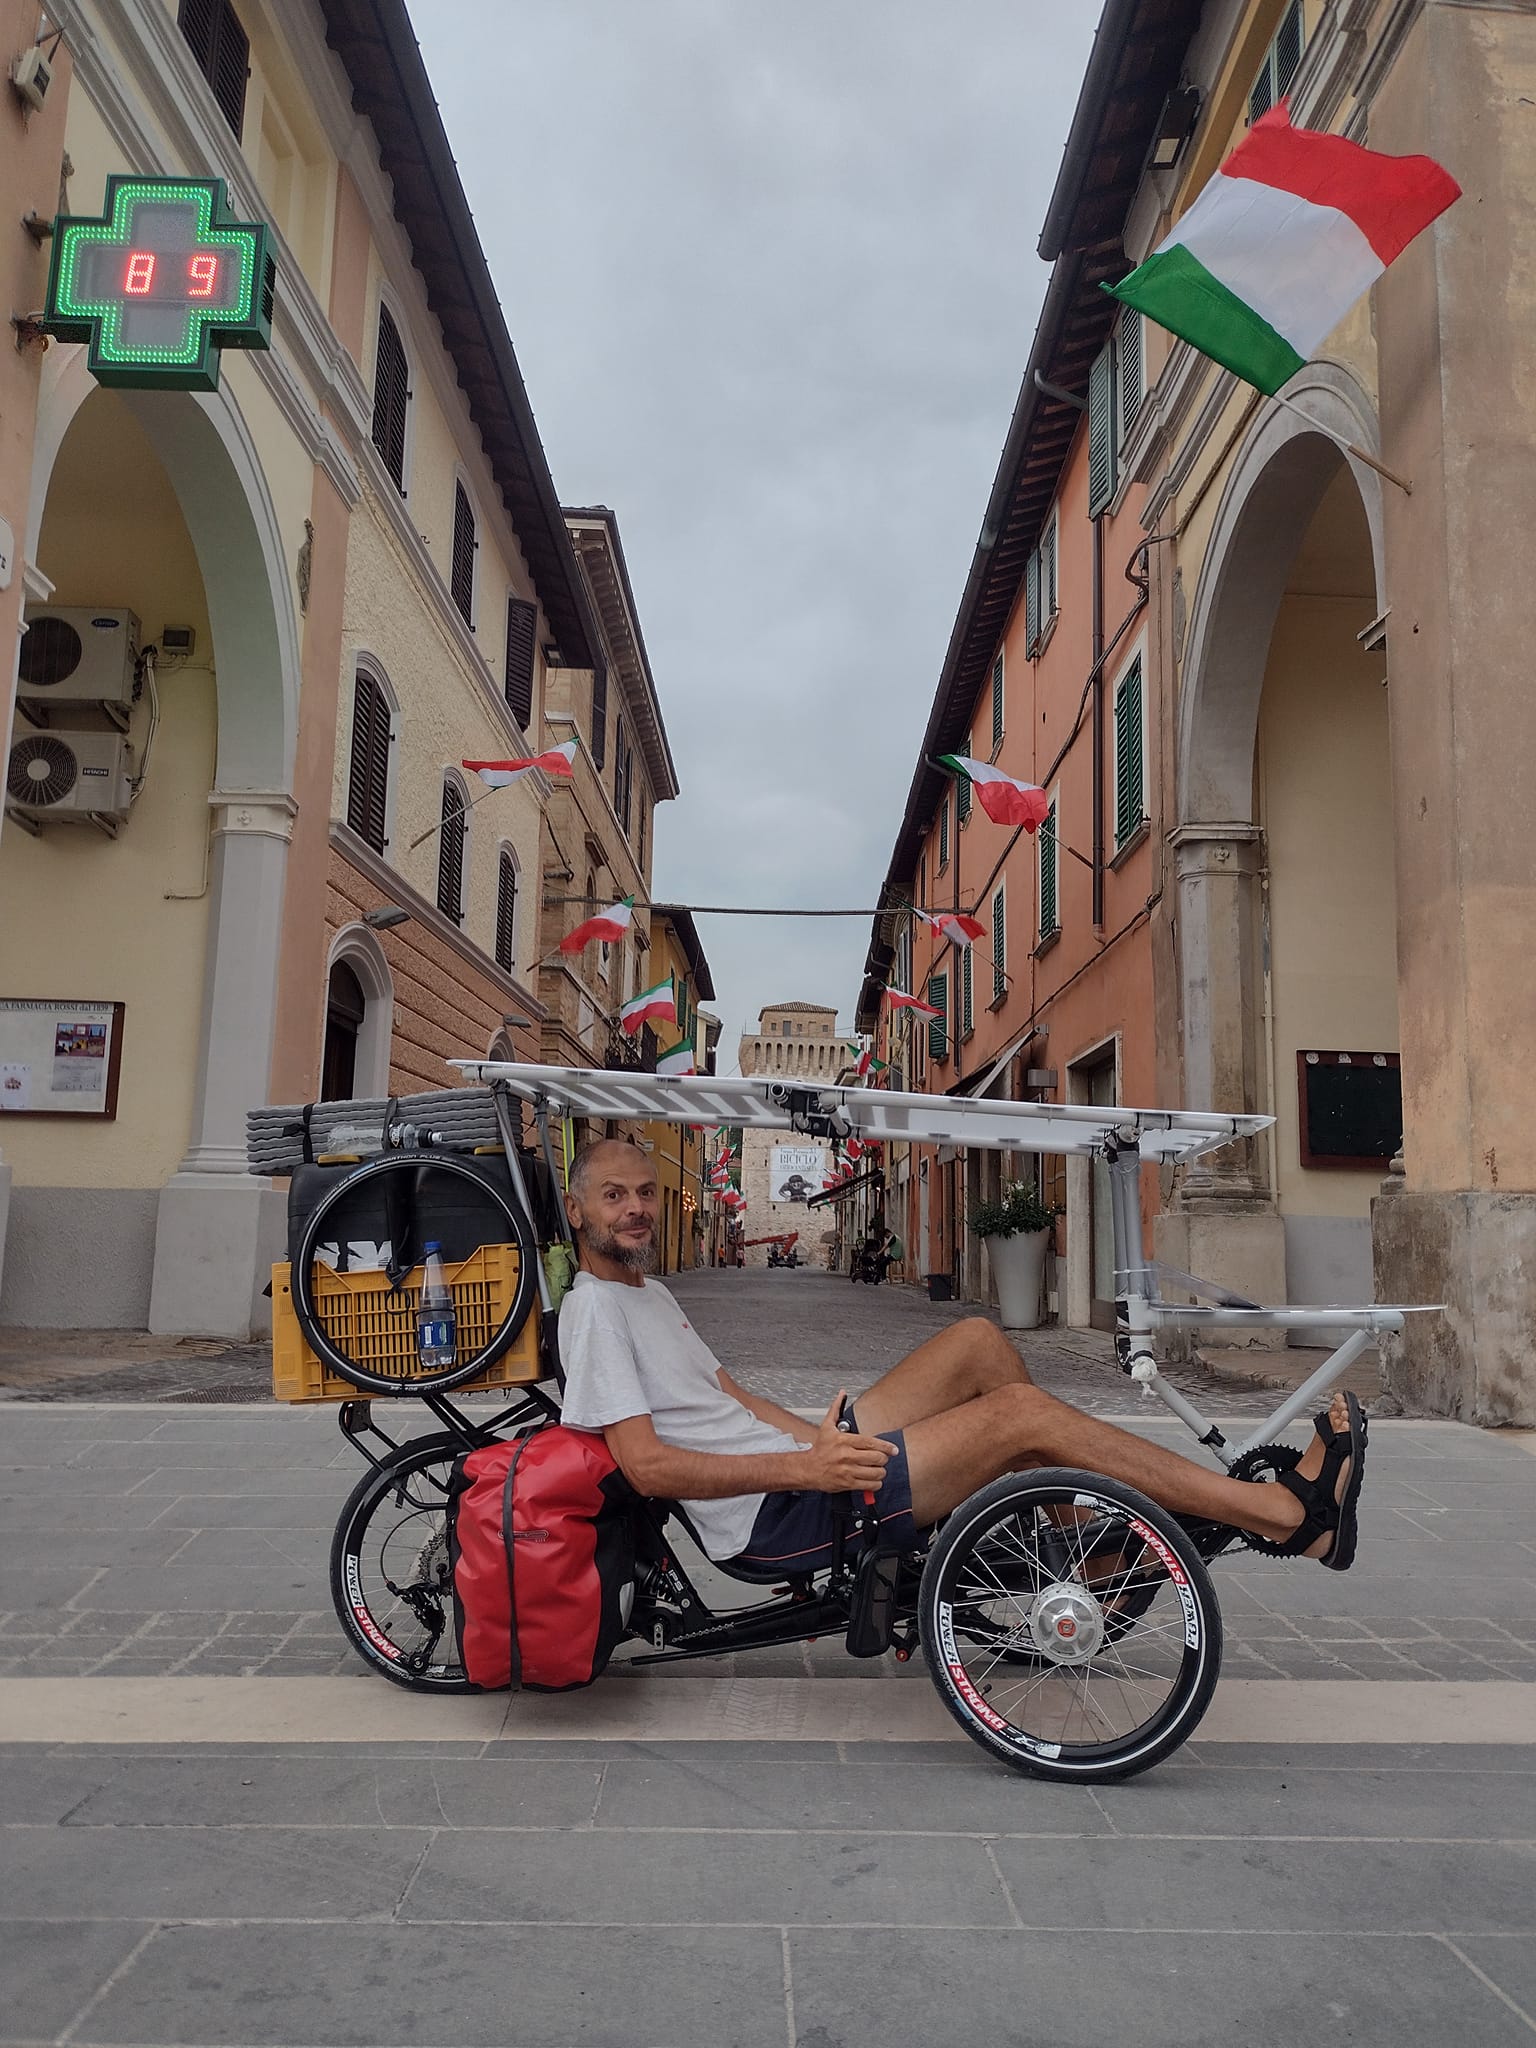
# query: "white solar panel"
{"points": [[763, 1103]]}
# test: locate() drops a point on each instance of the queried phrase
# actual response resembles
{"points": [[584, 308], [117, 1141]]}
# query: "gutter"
{"points": [[1086, 132]]}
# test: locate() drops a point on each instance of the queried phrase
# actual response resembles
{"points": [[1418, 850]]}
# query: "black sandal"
{"points": [[1321, 1513]]}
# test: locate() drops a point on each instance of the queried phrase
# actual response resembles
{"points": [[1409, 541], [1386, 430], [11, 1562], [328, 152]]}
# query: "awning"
{"points": [[846, 1187]]}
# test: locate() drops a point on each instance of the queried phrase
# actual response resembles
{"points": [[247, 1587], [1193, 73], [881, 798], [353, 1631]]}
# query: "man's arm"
{"points": [[835, 1462], [768, 1411]]}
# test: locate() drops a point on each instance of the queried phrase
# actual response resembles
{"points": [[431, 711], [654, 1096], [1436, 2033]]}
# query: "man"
{"points": [[760, 1484]]}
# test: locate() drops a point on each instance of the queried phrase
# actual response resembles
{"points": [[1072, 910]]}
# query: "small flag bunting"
{"points": [[899, 999], [953, 924]]}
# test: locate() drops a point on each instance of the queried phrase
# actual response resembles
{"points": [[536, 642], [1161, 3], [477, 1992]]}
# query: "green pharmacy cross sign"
{"points": [[160, 283]]}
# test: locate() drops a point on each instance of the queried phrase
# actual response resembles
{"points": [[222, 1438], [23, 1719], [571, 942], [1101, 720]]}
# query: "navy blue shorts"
{"points": [[797, 1531]]}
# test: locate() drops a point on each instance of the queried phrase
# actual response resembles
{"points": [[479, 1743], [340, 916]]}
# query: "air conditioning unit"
{"points": [[69, 774], [78, 654]]}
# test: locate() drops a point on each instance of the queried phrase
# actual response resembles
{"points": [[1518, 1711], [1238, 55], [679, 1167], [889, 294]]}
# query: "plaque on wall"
{"points": [[59, 1058]]}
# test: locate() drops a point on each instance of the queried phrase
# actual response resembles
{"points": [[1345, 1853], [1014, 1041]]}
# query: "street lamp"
{"points": [[385, 917], [1175, 125]]}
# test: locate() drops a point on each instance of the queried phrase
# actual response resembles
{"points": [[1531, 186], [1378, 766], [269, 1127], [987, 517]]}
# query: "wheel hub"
{"points": [[1066, 1623]]}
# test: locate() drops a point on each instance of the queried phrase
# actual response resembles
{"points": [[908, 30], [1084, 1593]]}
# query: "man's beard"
{"points": [[639, 1258]]}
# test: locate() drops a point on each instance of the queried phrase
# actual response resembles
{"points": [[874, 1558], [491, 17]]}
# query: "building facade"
{"points": [[1314, 921], [779, 1170], [678, 1149], [348, 570]]}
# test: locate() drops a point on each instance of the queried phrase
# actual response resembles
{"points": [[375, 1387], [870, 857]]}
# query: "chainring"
{"points": [[1264, 1463]]}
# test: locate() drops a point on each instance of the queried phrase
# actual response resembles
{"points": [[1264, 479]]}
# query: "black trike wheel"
{"points": [[385, 1326], [1070, 1626], [391, 1579]]}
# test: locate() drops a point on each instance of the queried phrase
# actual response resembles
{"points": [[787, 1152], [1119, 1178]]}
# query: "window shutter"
{"points": [[1287, 49], [967, 994], [506, 912], [517, 678], [618, 764], [450, 855], [938, 1027], [962, 798], [1130, 370], [1262, 95], [629, 786], [999, 946], [1130, 790], [1032, 605], [368, 775], [1048, 573], [462, 579], [1101, 432], [944, 833], [391, 398], [1050, 919], [222, 48], [599, 713], [997, 700]]}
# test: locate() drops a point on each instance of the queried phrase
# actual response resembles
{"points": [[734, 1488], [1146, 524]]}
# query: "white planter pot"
{"points": [[1018, 1267]]}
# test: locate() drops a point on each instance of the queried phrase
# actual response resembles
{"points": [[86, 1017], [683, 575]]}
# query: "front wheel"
{"points": [[1070, 1626]]}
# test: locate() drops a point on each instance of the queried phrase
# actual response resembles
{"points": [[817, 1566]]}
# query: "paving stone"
{"points": [[1511, 1963], [1084, 1989], [476, 1987], [143, 1873], [1362, 1805], [625, 1878], [1329, 1887], [48, 1970]]}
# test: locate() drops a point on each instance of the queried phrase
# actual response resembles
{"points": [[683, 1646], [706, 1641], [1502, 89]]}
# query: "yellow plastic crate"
{"points": [[376, 1325]]}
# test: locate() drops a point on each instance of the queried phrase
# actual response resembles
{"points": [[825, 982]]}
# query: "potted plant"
{"points": [[1017, 1231]]}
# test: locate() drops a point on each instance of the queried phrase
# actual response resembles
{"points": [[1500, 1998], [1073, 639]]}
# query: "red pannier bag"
{"points": [[542, 1545]]}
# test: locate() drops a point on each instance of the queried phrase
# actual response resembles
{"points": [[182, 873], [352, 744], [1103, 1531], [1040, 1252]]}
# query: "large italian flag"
{"points": [[609, 925], [899, 999], [1005, 801], [1291, 230], [659, 1002], [554, 761]]}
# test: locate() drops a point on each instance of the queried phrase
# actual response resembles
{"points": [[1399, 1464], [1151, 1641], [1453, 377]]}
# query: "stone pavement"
{"points": [[214, 1829]]}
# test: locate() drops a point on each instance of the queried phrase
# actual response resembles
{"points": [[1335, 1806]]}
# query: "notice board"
{"points": [[1351, 1107], [59, 1058]]}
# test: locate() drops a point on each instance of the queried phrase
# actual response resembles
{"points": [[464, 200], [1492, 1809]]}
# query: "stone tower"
{"points": [[793, 1042]]}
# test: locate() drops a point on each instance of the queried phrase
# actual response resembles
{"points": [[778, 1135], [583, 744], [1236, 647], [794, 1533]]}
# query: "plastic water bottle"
{"points": [[436, 1325]]}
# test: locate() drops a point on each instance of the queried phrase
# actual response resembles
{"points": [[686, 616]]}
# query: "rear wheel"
{"points": [[1070, 1626]]}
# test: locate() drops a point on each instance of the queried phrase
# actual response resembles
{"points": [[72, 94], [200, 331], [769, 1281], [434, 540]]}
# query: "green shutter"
{"points": [[944, 833], [1032, 604], [1050, 919], [967, 994], [1130, 776], [1288, 49], [999, 946], [962, 798], [1129, 370], [997, 701], [1048, 597], [1101, 432], [938, 1027]]}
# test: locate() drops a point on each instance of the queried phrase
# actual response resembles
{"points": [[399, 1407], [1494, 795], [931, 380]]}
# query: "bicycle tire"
{"points": [[1039, 1716], [302, 1273]]}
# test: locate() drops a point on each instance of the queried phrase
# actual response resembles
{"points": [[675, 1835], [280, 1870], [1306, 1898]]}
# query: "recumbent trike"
{"points": [[1069, 1624]]}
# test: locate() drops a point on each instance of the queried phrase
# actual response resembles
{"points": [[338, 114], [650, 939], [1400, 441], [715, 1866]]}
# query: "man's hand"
{"points": [[840, 1462]]}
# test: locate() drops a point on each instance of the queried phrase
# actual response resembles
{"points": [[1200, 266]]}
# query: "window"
{"points": [[599, 714], [1050, 912], [506, 911], [1130, 740], [368, 775], [517, 675], [627, 806], [944, 835], [345, 1009], [222, 49], [967, 992], [1040, 588], [1101, 430], [1130, 372], [391, 397], [997, 700], [619, 751], [999, 946], [640, 823], [938, 1027], [450, 852], [1282, 60], [788, 1028], [962, 798], [922, 891], [461, 581]]}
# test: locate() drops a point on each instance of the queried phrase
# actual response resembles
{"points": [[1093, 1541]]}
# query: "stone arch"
{"points": [[357, 947]]}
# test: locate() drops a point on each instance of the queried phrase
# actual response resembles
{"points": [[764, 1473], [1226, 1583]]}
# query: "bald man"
{"points": [[761, 1485]]}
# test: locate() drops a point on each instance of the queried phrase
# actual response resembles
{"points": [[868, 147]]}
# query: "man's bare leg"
{"points": [[1014, 1427], [969, 1359]]}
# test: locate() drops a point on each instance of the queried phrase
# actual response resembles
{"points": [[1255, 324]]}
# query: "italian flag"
{"points": [[900, 1000], [1291, 230], [1005, 801], [680, 1060], [868, 1064], [610, 924], [556, 761], [659, 1003], [954, 924]]}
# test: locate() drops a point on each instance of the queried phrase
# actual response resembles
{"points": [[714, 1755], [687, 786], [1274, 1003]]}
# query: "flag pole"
{"points": [[461, 812], [1349, 447]]}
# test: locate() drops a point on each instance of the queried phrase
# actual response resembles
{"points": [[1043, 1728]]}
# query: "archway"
{"points": [[359, 1015]]}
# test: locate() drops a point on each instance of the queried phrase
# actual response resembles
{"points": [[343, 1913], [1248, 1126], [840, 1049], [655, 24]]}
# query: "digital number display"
{"points": [[161, 282]]}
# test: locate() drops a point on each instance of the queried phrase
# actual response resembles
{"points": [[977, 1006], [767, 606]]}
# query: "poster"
{"points": [[796, 1172], [79, 1057], [15, 1085], [59, 1057]]}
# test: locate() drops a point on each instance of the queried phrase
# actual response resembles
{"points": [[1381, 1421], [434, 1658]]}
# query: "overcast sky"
{"points": [[770, 271]]}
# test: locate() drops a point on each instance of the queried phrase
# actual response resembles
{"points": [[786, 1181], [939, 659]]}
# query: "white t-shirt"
{"points": [[631, 1351]]}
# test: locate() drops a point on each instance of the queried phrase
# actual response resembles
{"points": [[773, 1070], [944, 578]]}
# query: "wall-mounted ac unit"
{"points": [[69, 774], [78, 654]]}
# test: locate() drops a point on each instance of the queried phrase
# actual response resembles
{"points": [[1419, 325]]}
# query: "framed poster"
{"points": [[59, 1058], [797, 1172], [1351, 1108]]}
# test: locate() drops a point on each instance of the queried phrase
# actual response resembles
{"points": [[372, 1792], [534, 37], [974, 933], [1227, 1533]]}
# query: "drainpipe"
{"points": [[1098, 723]]}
